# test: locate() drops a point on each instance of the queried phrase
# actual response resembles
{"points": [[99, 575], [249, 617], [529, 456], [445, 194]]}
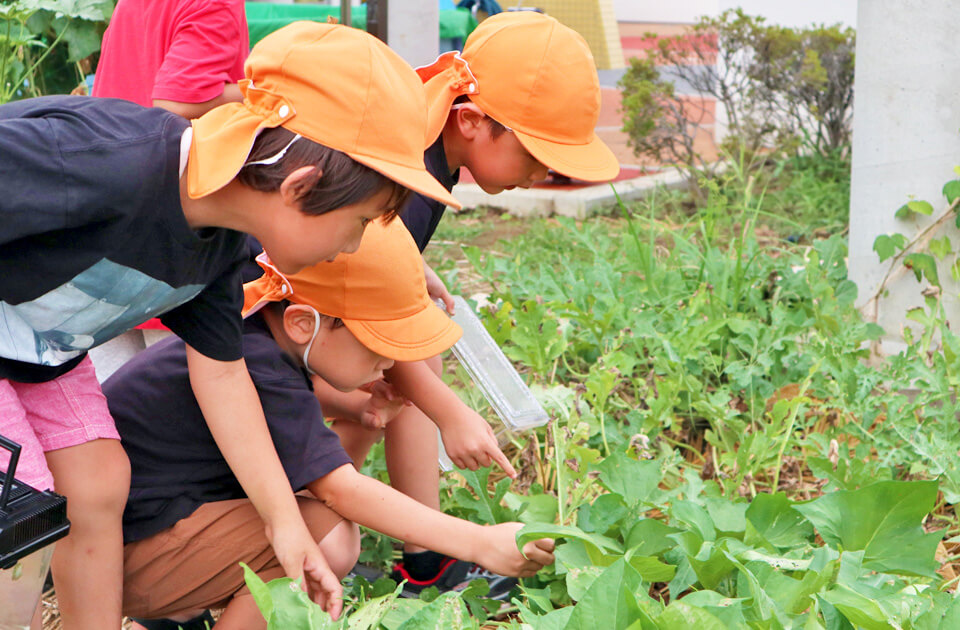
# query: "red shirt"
{"points": [[175, 50]]}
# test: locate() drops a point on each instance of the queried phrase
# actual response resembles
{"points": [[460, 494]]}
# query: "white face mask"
{"points": [[306, 351]]}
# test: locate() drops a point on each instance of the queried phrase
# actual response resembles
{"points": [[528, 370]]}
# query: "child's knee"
{"points": [[94, 490], [342, 547], [339, 539]]}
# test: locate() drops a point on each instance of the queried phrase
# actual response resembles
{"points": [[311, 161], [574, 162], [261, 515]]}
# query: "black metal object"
{"points": [[346, 12], [377, 19], [29, 519]]}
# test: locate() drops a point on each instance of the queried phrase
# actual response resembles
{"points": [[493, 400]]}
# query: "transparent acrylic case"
{"points": [[493, 373]]}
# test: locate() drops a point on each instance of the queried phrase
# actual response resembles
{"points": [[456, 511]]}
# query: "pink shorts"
{"points": [[41, 417]]}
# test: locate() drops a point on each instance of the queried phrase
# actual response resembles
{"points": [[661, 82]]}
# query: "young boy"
{"points": [[523, 97], [189, 61], [114, 213], [188, 524]]}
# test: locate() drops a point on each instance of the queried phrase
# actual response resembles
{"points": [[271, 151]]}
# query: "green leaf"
{"points": [[680, 615], [902, 212], [923, 265], [951, 190], [920, 207], [696, 517], [259, 590], [775, 521], [632, 479], [941, 247], [858, 609], [712, 564], [368, 616], [887, 245], [884, 521], [602, 514], [610, 602], [447, 611], [534, 531], [652, 569], [649, 537], [487, 506], [532, 508], [955, 269]]}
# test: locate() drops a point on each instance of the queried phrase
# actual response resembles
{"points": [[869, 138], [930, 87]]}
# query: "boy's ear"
{"points": [[298, 323], [469, 119], [298, 183]]}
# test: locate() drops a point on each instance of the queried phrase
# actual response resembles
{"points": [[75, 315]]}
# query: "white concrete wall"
{"points": [[905, 140], [682, 11], [786, 12], [413, 30]]}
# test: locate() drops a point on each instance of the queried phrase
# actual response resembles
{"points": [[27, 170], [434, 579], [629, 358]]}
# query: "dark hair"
{"points": [[342, 180], [497, 129]]}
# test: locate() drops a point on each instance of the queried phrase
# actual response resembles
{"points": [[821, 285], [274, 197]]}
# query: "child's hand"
{"points": [[436, 288], [299, 555], [470, 443], [383, 406], [498, 551]]}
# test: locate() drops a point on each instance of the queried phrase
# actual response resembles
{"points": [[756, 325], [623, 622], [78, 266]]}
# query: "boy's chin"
{"points": [[491, 189]]}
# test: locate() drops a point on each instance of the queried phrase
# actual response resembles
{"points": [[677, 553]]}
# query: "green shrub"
{"points": [[783, 91], [42, 43]]}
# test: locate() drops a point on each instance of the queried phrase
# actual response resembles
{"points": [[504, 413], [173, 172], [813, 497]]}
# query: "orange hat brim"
{"points": [[443, 81], [591, 162], [222, 140], [416, 179], [420, 336]]}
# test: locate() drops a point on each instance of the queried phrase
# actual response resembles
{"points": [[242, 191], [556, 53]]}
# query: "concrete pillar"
{"points": [[905, 142], [413, 30]]}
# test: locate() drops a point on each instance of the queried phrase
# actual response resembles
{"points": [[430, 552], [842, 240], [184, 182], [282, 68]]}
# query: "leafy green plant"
{"points": [[42, 41], [781, 89]]}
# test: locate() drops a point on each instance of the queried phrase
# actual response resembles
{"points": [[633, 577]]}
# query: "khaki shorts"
{"points": [[195, 564]]}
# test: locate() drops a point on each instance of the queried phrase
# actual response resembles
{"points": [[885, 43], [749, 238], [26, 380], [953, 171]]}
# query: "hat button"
{"points": [[283, 111]]}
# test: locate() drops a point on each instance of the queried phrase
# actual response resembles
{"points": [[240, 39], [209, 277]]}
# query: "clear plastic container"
{"points": [[493, 374], [31, 521], [21, 587]]}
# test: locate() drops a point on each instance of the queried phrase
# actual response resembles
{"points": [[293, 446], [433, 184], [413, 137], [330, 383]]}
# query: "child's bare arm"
{"points": [[231, 408], [337, 404], [467, 438], [376, 505], [373, 406]]}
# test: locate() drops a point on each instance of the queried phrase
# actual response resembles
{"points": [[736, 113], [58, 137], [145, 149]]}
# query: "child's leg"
{"points": [[410, 446], [355, 439], [88, 564], [193, 565], [70, 418]]}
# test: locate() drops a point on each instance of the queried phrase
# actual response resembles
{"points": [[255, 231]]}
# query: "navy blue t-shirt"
{"points": [[93, 239], [175, 464], [422, 214]]}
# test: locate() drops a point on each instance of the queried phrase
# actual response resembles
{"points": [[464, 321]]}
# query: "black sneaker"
{"points": [[451, 574], [455, 575], [500, 585], [201, 622]]}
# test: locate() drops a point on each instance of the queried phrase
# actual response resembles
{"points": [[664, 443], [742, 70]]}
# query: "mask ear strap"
{"points": [[306, 351]]}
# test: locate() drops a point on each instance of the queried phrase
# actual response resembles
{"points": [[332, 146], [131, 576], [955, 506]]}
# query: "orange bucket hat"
{"points": [[535, 76], [378, 291], [332, 84]]}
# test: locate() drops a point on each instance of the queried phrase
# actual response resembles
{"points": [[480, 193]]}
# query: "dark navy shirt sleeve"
{"points": [[210, 323], [422, 214]]}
